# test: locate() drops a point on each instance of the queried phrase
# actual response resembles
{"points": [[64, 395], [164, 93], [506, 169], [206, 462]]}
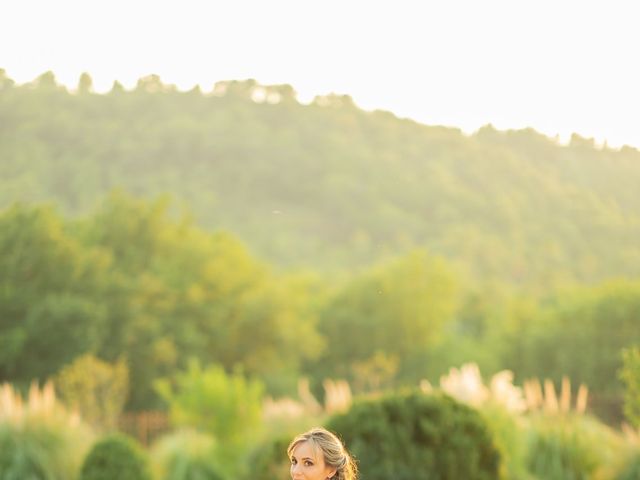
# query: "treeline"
{"points": [[327, 185], [139, 281]]}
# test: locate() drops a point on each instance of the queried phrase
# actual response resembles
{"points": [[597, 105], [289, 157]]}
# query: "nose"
{"points": [[295, 468]]}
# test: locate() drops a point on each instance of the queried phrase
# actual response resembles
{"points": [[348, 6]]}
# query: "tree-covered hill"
{"points": [[328, 185]]}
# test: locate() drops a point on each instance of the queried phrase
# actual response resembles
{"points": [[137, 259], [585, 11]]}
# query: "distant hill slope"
{"points": [[328, 185]]}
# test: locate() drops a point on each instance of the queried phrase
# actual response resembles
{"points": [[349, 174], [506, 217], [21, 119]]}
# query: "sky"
{"points": [[559, 66]]}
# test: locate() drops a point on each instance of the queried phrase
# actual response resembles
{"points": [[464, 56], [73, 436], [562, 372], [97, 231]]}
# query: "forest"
{"points": [[327, 185], [237, 228]]}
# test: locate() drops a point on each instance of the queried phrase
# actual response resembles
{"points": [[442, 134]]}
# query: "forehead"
{"points": [[305, 449]]}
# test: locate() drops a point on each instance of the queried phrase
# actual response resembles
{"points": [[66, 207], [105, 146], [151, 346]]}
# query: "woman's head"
{"points": [[319, 454]]}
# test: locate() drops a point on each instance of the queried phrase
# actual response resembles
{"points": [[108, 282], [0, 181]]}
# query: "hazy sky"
{"points": [[557, 66]]}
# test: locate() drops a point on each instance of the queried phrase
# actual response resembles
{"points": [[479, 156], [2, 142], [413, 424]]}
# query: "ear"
{"points": [[331, 474]]}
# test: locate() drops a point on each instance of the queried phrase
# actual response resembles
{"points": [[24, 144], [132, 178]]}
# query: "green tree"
{"points": [[398, 309], [85, 83], [349, 186], [46, 81], [96, 389], [580, 334], [5, 81], [51, 308], [181, 291]]}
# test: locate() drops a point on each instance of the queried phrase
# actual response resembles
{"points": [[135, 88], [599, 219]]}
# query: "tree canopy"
{"points": [[328, 185]]}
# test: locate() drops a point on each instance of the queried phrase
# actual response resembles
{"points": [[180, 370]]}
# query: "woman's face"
{"points": [[308, 464]]}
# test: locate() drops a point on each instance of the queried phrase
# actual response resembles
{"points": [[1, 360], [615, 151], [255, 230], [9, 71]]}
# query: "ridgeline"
{"points": [[328, 185]]}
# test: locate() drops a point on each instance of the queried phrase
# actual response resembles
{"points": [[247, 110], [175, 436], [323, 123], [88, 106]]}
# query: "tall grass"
{"points": [[509, 433], [571, 447], [39, 439]]}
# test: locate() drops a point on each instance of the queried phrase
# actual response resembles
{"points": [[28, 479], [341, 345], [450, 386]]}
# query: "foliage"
{"points": [[325, 185], [185, 455], [631, 470], [187, 292], [39, 438], [569, 447], [328, 184], [630, 376], [133, 282], [418, 436], [228, 406], [501, 404], [386, 317], [97, 389], [601, 320], [115, 456], [509, 432], [51, 305], [269, 459], [479, 332], [152, 280]]}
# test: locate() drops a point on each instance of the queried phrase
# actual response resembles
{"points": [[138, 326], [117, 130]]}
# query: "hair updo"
{"points": [[334, 452]]}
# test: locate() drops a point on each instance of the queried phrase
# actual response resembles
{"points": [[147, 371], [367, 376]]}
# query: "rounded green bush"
{"points": [[115, 457], [418, 436]]}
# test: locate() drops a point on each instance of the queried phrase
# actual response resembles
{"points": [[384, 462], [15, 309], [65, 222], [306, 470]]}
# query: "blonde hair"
{"points": [[334, 452]]}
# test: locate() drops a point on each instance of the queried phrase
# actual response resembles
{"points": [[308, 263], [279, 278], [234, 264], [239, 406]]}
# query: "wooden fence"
{"points": [[145, 426]]}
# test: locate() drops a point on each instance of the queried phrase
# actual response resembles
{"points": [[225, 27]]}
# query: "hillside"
{"points": [[328, 185]]}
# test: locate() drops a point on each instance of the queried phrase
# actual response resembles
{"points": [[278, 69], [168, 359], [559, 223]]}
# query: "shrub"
{"points": [[269, 460], [227, 406], [39, 439], [417, 436], [98, 390], [186, 455], [115, 456]]}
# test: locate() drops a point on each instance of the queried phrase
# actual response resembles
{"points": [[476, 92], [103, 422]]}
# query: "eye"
{"points": [[293, 461], [308, 463]]}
